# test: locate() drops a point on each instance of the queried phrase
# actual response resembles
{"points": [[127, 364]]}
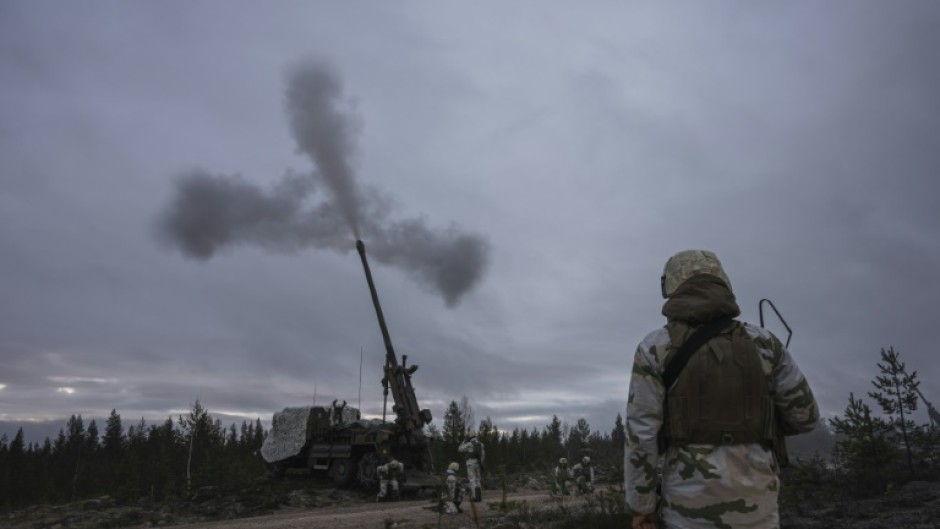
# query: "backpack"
{"points": [[716, 389]]}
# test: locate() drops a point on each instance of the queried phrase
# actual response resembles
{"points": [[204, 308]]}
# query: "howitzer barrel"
{"points": [[389, 350], [397, 376]]}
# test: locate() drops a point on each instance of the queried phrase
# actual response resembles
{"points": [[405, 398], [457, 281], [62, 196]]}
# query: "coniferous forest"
{"points": [[863, 452], [142, 461]]}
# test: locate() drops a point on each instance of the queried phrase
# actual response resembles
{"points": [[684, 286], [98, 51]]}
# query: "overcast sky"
{"points": [[576, 146]]}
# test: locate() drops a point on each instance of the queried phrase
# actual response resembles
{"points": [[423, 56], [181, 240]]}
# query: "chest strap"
{"points": [[699, 338]]}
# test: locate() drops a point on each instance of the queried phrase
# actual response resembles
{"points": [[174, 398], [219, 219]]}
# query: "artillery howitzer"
{"points": [[338, 441]]}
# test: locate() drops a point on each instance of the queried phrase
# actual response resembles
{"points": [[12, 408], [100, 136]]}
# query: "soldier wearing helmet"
{"points": [[562, 477], [583, 474], [713, 426], [390, 473], [476, 454], [453, 490]]}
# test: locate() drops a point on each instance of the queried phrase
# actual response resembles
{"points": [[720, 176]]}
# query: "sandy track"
{"points": [[403, 515]]}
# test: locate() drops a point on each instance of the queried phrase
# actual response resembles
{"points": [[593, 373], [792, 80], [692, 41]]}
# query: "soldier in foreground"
{"points": [[453, 490], [715, 426], [475, 457], [390, 473], [583, 474]]}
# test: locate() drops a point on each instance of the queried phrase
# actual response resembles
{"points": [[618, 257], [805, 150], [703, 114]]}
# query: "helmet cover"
{"points": [[685, 264]]}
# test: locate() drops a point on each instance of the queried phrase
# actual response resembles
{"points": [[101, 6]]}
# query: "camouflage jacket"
{"points": [[454, 488], [389, 471], [583, 471], [474, 449], [707, 486]]}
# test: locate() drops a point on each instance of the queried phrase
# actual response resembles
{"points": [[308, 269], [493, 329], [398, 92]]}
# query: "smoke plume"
{"points": [[319, 209]]}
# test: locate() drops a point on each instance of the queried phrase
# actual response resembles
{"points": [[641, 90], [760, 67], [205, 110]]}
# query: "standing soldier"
{"points": [[562, 475], [709, 401], [453, 490], [389, 474], [584, 475], [475, 456]]}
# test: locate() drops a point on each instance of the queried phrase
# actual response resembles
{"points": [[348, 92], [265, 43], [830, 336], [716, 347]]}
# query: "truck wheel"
{"points": [[367, 470], [343, 472]]}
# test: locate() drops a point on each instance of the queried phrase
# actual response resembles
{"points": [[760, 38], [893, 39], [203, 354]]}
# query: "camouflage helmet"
{"points": [[562, 461], [688, 263], [453, 467], [586, 460]]}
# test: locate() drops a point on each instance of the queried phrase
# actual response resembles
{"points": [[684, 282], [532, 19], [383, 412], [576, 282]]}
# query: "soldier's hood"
{"points": [[701, 299]]}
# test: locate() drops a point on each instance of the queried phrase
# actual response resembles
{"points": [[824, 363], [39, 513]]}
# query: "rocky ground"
{"points": [[915, 505]]}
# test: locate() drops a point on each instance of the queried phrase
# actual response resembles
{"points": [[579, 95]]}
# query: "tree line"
{"points": [[177, 457], [519, 450], [862, 451], [153, 461]]}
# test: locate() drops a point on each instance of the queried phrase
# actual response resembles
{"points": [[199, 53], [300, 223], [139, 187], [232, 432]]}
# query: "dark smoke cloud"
{"points": [[324, 132], [212, 212]]}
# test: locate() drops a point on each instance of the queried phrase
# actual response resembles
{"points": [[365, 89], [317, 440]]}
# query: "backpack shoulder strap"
{"points": [[701, 335]]}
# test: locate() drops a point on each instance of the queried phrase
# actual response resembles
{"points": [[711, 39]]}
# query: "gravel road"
{"points": [[399, 515]]}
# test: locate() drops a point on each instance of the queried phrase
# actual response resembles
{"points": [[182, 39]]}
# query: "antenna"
{"points": [[360, 380], [760, 310]]}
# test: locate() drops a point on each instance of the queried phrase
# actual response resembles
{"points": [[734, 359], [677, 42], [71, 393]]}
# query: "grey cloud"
{"points": [[797, 141], [210, 212]]}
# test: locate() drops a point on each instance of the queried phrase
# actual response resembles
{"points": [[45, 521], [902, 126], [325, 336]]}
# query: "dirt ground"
{"points": [[411, 514]]}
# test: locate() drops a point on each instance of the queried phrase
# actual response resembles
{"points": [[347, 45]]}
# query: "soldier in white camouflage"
{"points": [[453, 490], [389, 474], [562, 476], [476, 455], [705, 452], [583, 473]]}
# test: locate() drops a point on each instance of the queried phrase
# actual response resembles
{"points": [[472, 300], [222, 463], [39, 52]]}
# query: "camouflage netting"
{"points": [[289, 431]]}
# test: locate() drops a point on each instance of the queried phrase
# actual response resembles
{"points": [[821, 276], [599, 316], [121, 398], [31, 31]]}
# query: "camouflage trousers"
{"points": [[585, 486], [561, 486], [473, 474], [383, 489]]}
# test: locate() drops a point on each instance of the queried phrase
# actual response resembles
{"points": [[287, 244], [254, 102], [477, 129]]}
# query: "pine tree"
{"points": [[197, 428], [112, 452], [91, 479], [488, 434], [551, 441], [74, 452], [16, 466], [866, 452], [578, 439], [619, 438], [113, 435], [466, 415], [258, 438], [897, 396], [247, 433], [453, 431]]}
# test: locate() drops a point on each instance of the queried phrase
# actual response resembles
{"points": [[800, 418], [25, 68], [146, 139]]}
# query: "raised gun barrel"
{"points": [[390, 357], [397, 377]]}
